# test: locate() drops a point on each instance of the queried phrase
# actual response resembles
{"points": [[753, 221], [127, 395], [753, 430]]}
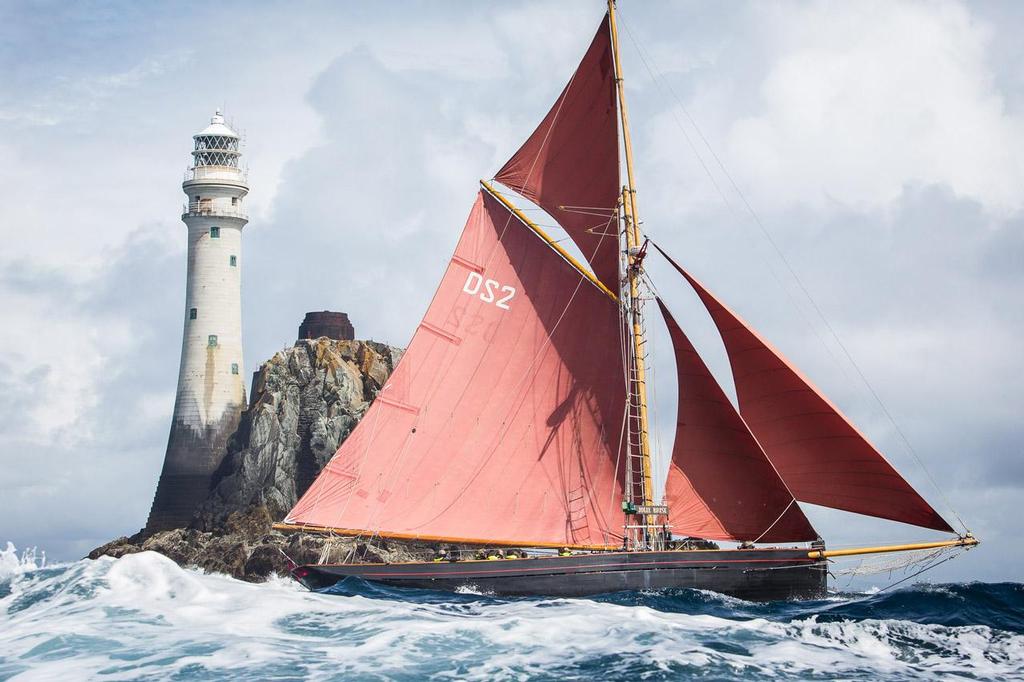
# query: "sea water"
{"points": [[144, 617]]}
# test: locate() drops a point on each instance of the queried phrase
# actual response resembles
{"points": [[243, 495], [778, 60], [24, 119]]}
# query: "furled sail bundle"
{"points": [[503, 421], [720, 483], [820, 455], [569, 166]]}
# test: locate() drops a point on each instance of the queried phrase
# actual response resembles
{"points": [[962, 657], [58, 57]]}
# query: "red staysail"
{"points": [[502, 422], [820, 455], [720, 484], [572, 160]]}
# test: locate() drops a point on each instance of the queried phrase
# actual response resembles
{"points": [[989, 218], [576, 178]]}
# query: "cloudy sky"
{"points": [[879, 144]]}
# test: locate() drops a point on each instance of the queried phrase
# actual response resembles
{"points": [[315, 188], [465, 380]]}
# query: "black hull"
{"points": [[751, 574]]}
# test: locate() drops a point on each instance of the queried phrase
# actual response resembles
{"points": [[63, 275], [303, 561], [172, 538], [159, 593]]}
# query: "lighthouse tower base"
{"points": [[193, 456]]}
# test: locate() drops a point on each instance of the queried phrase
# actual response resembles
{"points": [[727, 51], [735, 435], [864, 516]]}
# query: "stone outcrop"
{"points": [[246, 547], [305, 401]]}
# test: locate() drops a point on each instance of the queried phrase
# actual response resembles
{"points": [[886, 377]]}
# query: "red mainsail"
{"points": [[720, 483], [569, 166], [820, 455], [503, 420]]}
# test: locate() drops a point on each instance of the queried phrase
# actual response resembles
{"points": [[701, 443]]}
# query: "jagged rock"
{"points": [[248, 549], [263, 562], [306, 400], [115, 548]]}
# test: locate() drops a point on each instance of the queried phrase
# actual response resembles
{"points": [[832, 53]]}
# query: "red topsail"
{"points": [[569, 166], [503, 420], [820, 455], [720, 483]]}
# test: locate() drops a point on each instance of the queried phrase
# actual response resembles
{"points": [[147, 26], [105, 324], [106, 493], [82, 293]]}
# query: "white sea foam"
{"points": [[13, 564], [143, 616]]}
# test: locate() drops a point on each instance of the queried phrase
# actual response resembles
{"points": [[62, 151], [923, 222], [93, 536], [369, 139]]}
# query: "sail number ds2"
{"points": [[487, 290]]}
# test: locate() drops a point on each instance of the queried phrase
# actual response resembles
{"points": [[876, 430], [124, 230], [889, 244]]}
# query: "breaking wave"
{"points": [[144, 617]]}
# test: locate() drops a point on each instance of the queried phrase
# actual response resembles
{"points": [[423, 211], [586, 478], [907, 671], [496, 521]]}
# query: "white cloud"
{"points": [[863, 99]]}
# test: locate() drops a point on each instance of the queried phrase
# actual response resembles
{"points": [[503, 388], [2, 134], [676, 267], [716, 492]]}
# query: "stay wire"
{"points": [[923, 570], [788, 266]]}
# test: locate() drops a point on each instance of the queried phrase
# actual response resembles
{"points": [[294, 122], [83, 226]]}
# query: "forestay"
{"points": [[820, 455]]}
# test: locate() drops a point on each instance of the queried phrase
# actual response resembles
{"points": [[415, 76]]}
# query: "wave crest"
{"points": [[142, 615]]}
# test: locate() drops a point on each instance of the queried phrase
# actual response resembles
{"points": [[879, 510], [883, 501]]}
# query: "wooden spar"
{"points": [[627, 141], [966, 541], [638, 347], [632, 229], [549, 240], [351, 532]]}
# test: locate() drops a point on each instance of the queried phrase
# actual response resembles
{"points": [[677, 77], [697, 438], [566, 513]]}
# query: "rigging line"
{"points": [[602, 211], [649, 351], [926, 568], [771, 269], [764, 230], [887, 563], [664, 460], [626, 350], [626, 431], [686, 135], [654, 422], [618, 453], [791, 503], [596, 212], [536, 158]]}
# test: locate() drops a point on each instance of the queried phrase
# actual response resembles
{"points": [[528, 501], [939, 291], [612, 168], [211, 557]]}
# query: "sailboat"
{"points": [[517, 420]]}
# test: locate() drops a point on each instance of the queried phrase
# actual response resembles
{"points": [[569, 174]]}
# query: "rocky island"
{"points": [[305, 401]]}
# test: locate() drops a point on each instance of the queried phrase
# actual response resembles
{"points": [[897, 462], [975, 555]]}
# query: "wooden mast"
{"points": [[634, 272]]}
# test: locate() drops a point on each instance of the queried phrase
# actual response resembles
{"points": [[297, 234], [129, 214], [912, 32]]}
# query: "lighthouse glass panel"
{"points": [[214, 232]]}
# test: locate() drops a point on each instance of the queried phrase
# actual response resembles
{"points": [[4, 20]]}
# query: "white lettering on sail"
{"points": [[475, 281], [489, 287], [503, 302]]}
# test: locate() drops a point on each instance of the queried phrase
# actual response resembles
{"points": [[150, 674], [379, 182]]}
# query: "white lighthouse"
{"points": [[211, 392]]}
